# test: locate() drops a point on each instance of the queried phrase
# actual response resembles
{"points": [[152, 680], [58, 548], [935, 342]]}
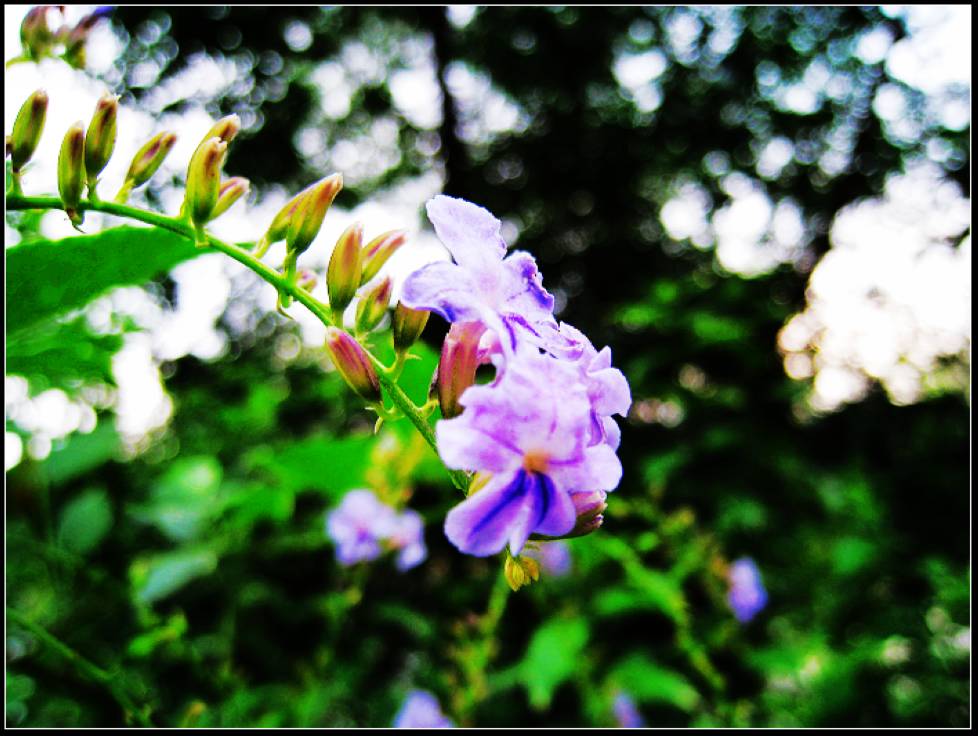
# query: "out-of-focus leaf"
{"points": [[156, 577], [85, 521], [250, 503], [47, 278], [552, 658], [59, 355], [185, 498], [329, 464], [81, 453], [648, 682]]}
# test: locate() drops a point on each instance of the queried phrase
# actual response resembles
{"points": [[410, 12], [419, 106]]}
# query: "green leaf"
{"points": [[48, 278], [552, 657], [62, 355], [81, 453], [185, 499], [333, 465], [85, 521], [648, 682], [158, 576]]}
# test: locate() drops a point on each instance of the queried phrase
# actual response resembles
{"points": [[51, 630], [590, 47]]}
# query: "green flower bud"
{"points": [[71, 171], [204, 180], [35, 34], [306, 280], [353, 364], [146, 162], [457, 365], [226, 129], [373, 305], [77, 39], [343, 272], [309, 215], [230, 192], [407, 325], [100, 140], [27, 129], [378, 250]]}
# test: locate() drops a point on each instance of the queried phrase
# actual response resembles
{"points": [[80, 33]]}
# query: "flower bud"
{"points": [[353, 364], [78, 37], [343, 272], [226, 129], [520, 571], [590, 506], [100, 139], [230, 192], [27, 129], [407, 325], [35, 34], [71, 170], [148, 160], [373, 305], [308, 217], [204, 180], [457, 366], [378, 250]]}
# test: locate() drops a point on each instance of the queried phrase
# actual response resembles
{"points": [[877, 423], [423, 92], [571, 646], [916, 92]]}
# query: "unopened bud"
{"points": [[520, 571], [590, 506], [353, 364], [27, 129], [100, 139], [378, 250], [71, 170], [226, 129], [457, 366], [204, 180], [77, 38], [230, 192], [407, 325], [308, 217], [149, 158], [343, 272], [35, 34], [373, 305]]}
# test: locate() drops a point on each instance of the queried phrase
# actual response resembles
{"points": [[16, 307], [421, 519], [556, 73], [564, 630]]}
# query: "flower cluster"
{"points": [[543, 429], [363, 528], [747, 595]]}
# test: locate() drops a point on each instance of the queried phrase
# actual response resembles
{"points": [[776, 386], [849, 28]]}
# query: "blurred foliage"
{"points": [[199, 570]]}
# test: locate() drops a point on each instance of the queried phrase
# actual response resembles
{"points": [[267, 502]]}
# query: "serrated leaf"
{"points": [[48, 278]]}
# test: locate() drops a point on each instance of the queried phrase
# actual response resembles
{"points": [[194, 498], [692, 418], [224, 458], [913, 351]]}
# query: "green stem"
{"points": [[109, 681], [273, 277]]}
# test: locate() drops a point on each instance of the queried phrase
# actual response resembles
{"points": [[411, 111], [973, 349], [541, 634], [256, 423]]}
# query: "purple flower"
{"points": [[408, 538], [504, 294], [421, 710], [530, 430], [747, 595], [626, 712], [362, 528], [554, 557]]}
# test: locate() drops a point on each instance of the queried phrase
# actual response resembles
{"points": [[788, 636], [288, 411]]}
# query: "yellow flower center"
{"points": [[536, 461]]}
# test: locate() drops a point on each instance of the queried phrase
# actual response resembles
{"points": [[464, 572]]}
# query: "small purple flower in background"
{"points": [[530, 431], [421, 710], [626, 712], [554, 557], [363, 528], [747, 595]]}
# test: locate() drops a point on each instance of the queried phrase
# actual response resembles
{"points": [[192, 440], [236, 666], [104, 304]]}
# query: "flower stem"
{"points": [[109, 681], [268, 274]]}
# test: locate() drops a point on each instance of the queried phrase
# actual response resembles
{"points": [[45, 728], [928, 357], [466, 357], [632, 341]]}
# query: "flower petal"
{"points": [[443, 288], [470, 232], [483, 523]]}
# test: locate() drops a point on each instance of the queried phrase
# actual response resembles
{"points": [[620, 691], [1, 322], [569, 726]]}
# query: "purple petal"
{"points": [[471, 233], [609, 391], [443, 288], [483, 523], [599, 470], [421, 710], [464, 444], [556, 515]]}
